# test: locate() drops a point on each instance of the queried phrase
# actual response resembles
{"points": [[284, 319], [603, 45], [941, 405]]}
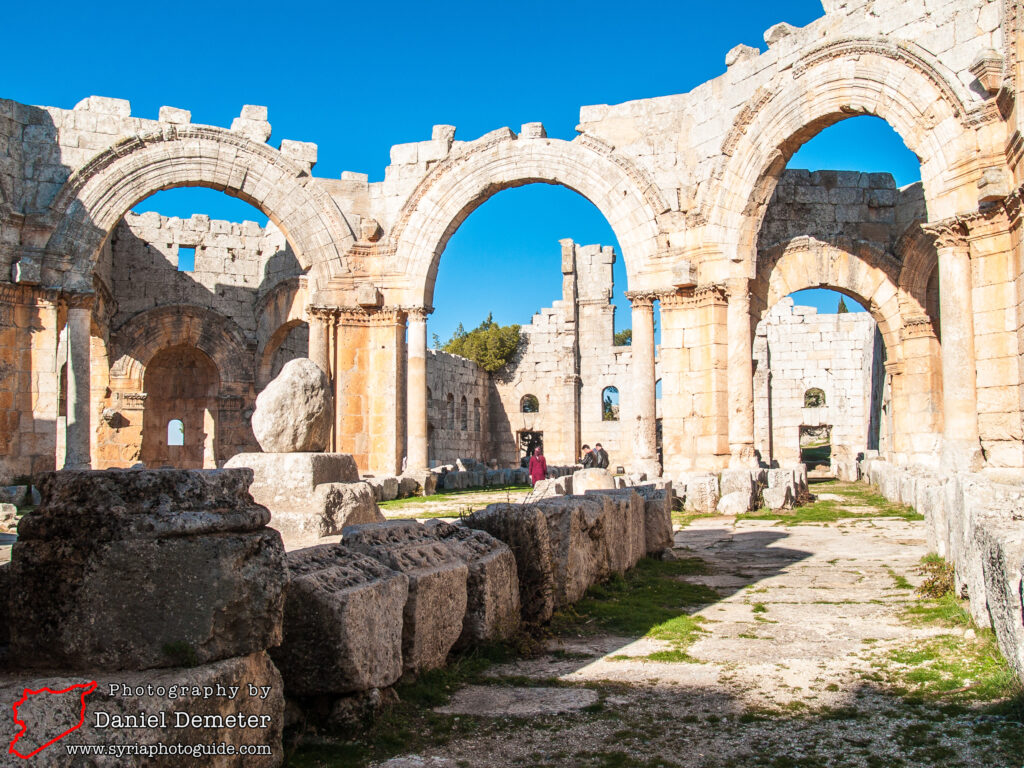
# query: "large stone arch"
{"points": [[851, 267], [625, 196], [899, 83], [219, 338], [97, 195]]}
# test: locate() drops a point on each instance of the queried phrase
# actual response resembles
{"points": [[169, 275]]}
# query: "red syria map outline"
{"points": [[87, 689]]}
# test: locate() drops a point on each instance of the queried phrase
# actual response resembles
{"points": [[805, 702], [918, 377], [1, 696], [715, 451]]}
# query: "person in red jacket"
{"points": [[538, 466]]}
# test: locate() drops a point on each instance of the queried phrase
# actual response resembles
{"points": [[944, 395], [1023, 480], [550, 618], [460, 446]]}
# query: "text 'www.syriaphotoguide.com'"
{"points": [[155, 750]]}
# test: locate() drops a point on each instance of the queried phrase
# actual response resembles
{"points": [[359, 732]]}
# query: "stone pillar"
{"points": [[961, 446], [416, 391], [643, 409], [741, 376], [77, 453], [319, 323]]}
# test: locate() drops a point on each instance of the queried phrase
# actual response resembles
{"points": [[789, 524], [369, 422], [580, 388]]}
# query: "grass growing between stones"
{"points": [[858, 502], [420, 506], [684, 519], [652, 600]]}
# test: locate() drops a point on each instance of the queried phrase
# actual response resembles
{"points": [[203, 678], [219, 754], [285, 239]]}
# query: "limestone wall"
{"points": [[797, 349], [457, 408], [829, 205], [234, 262]]}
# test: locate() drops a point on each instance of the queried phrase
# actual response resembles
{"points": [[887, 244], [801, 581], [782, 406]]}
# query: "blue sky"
{"points": [[357, 78]]}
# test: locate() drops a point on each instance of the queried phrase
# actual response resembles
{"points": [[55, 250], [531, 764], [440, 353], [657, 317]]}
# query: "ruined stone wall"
{"points": [[797, 349], [234, 262], [830, 205], [457, 408]]}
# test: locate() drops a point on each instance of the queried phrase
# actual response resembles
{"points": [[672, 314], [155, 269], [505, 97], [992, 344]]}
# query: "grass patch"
{"points": [[831, 510], [899, 580], [652, 600], [938, 577], [683, 519]]}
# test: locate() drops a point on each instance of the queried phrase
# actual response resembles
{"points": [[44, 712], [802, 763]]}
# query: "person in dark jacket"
{"points": [[602, 456], [589, 459]]}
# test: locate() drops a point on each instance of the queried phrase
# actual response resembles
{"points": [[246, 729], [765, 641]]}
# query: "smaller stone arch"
{"points": [[141, 337], [850, 267], [464, 414], [610, 404], [814, 397], [449, 420], [476, 415]]}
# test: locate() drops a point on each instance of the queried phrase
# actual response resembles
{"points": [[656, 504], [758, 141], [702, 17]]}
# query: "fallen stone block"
{"points": [[436, 607], [407, 486], [342, 622], [175, 697], [553, 486], [132, 569], [779, 497], [739, 481], [18, 495], [592, 479], [524, 528], [735, 503], [8, 518], [657, 515], [492, 586], [579, 542], [1000, 541], [622, 529], [309, 494], [701, 494]]}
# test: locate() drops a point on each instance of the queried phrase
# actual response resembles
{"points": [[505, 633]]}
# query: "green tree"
{"points": [[841, 309], [623, 338], [489, 345]]}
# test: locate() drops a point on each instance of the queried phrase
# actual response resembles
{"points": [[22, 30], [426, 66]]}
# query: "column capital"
{"points": [[642, 299], [418, 313], [738, 287], [78, 300], [948, 233]]}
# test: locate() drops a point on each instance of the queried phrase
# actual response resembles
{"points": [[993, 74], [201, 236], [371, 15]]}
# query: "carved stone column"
{"points": [[416, 390], [643, 410], [320, 320], [741, 376], [961, 446], [78, 454]]}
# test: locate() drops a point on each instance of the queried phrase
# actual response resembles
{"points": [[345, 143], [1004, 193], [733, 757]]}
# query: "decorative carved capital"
{"points": [[78, 300], [918, 327], [948, 233], [417, 314], [642, 299]]}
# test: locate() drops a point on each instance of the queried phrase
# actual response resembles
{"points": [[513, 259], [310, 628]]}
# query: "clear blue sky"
{"points": [[357, 78]]}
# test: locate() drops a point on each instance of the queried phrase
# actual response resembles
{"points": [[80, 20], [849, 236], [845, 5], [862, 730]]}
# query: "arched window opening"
{"points": [[62, 392], [175, 432], [529, 404], [450, 411], [476, 415], [463, 415], [610, 404], [657, 389], [814, 398]]}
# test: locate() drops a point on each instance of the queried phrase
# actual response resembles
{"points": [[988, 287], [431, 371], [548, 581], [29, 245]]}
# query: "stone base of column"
{"points": [[742, 456], [961, 456], [649, 467]]}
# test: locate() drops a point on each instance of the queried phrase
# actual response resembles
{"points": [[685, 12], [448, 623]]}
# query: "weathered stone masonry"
{"points": [[685, 181]]}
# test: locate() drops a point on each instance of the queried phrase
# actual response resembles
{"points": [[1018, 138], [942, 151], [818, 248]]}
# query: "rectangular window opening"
{"points": [[186, 259]]}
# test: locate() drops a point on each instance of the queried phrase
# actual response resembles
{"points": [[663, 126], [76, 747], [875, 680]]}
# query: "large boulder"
{"points": [[342, 622], [578, 535], [436, 606], [524, 528], [133, 569], [293, 413], [552, 486], [492, 586], [220, 693], [18, 495], [592, 479]]}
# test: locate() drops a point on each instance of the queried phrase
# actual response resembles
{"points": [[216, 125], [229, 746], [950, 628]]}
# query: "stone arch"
{"points": [[920, 262], [850, 267], [278, 313], [898, 83], [220, 339], [97, 195], [458, 185]]}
